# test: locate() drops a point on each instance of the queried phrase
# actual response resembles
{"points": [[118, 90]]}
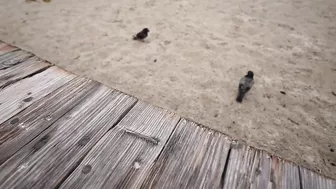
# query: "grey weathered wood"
{"points": [[12, 58], [262, 172], [6, 48], [311, 180], [286, 174], [17, 72], [123, 158], [194, 157], [49, 158], [20, 95], [25, 126], [255, 169], [239, 167]]}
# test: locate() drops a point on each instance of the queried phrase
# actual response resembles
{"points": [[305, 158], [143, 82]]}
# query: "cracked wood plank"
{"points": [[194, 157], [20, 71], [12, 58], [48, 159], [123, 158], [25, 126], [22, 94]]}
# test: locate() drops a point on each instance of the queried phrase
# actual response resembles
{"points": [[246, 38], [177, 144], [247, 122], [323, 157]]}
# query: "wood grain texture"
{"points": [[194, 157], [239, 167], [255, 169], [311, 180], [12, 58], [6, 48], [123, 158], [25, 126], [20, 95], [47, 160], [17, 72], [286, 174]]}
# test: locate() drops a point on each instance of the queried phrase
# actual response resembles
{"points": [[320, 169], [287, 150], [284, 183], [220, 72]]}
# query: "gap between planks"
{"points": [[126, 155], [48, 159], [26, 69], [20, 95], [26, 125]]}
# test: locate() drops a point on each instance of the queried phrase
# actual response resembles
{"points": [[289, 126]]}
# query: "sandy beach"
{"points": [[194, 57]]}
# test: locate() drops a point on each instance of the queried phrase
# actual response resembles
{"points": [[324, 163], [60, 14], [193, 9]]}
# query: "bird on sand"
{"points": [[141, 35], [245, 85]]}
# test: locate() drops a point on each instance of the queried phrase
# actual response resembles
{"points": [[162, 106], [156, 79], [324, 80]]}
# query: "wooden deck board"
{"points": [[239, 167], [17, 72], [311, 180], [255, 169], [10, 59], [6, 48], [47, 160], [20, 95], [287, 175], [123, 158], [25, 126], [194, 157]]}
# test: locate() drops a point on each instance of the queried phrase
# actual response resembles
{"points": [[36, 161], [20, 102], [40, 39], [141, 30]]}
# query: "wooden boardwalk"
{"points": [[58, 130]]}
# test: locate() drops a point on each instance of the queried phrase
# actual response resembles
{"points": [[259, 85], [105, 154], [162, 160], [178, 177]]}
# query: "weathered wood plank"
{"points": [[311, 180], [20, 95], [6, 48], [262, 172], [286, 174], [239, 167], [12, 58], [49, 158], [17, 72], [25, 126], [255, 169], [123, 158], [194, 157]]}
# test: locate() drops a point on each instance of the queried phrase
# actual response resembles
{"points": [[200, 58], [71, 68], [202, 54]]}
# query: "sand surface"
{"points": [[194, 57]]}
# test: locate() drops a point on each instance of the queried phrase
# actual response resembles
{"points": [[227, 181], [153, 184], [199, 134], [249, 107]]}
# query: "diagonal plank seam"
{"points": [[53, 120], [123, 114], [47, 94], [222, 183], [159, 155], [300, 178], [28, 76], [18, 61], [14, 50], [84, 156]]}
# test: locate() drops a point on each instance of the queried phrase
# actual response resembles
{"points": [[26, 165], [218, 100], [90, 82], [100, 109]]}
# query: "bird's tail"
{"points": [[240, 97], [135, 38]]}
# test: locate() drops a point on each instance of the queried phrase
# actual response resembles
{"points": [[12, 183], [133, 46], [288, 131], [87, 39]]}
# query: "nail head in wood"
{"points": [[83, 141], [14, 121], [28, 99], [48, 117], [86, 169]]}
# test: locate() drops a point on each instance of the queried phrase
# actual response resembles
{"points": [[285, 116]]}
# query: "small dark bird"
{"points": [[245, 85], [141, 35]]}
